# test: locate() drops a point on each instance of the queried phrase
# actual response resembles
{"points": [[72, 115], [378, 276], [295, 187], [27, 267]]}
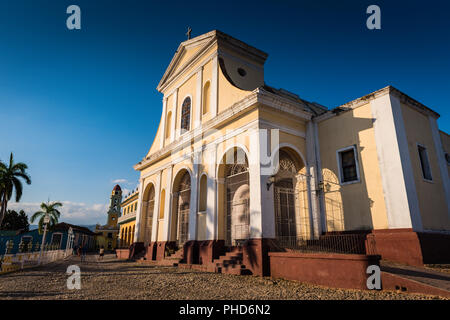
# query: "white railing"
{"points": [[13, 262], [126, 217]]}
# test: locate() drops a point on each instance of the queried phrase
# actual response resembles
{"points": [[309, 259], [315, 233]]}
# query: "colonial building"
{"points": [[61, 236], [127, 220], [237, 163], [107, 234]]}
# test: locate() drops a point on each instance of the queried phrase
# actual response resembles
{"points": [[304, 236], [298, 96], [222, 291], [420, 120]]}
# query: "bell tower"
{"points": [[114, 206]]}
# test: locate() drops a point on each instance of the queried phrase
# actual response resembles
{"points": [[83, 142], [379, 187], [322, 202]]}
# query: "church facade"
{"points": [[237, 163]]}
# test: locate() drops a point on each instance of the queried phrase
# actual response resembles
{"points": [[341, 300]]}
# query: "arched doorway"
{"points": [[291, 200], [148, 206], [237, 197], [181, 205]]}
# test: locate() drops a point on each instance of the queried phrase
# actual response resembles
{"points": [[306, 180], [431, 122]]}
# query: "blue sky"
{"points": [[80, 107]]}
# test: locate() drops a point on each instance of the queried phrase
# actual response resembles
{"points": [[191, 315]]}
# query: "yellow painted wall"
{"points": [[431, 196], [228, 94], [125, 240], [362, 202]]}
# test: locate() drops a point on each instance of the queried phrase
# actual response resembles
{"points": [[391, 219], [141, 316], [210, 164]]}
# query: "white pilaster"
{"points": [[312, 182], [174, 133], [139, 213], [323, 217], [163, 124], [441, 160], [168, 205], [214, 86], [211, 212], [256, 185], [194, 199], [156, 208], [402, 205], [198, 99]]}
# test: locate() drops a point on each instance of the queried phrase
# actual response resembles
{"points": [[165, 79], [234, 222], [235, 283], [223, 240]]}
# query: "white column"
{"points": [[256, 185], [323, 217], [198, 99], [139, 213], [211, 211], [175, 117], [402, 205], [194, 199], [168, 206], [214, 86], [163, 124], [441, 160], [156, 208], [312, 182]]}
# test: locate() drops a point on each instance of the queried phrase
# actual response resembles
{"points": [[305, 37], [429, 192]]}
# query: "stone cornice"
{"points": [[258, 97], [379, 93]]}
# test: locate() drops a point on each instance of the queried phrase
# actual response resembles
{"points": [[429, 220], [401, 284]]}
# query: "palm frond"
{"points": [[37, 215], [24, 176], [18, 187]]}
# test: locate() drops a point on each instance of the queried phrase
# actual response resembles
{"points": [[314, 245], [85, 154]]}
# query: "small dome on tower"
{"points": [[116, 189]]}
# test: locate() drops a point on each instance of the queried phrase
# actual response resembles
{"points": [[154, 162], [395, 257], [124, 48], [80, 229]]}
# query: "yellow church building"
{"points": [[106, 235], [127, 219], [239, 166]]}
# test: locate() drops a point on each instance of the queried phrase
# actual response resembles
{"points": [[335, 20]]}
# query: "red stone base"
{"points": [[151, 251], [122, 254], [137, 250], [255, 253], [409, 247], [161, 249], [210, 250]]}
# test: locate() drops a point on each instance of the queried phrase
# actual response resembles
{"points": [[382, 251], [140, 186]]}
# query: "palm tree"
{"points": [[49, 209], [9, 180]]}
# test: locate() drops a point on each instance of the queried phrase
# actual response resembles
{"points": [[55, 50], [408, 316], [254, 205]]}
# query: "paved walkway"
{"points": [[114, 279], [423, 275]]}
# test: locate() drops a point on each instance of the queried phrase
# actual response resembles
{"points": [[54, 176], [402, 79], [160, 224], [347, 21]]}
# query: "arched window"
{"points": [[206, 97], [186, 115], [168, 123], [203, 191]]}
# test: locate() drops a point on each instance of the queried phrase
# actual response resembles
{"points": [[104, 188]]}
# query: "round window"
{"points": [[242, 72]]}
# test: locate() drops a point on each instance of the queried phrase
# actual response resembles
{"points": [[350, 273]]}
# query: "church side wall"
{"points": [[431, 195], [362, 203]]}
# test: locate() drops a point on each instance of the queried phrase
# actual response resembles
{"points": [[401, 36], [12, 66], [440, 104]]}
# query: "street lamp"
{"points": [[46, 221]]}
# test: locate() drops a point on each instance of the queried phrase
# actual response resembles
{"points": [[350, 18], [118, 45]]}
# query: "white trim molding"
{"points": [[340, 169], [399, 188]]}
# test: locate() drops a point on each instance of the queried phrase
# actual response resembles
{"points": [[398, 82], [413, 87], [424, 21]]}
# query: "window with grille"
{"points": [[348, 165], [424, 162]]}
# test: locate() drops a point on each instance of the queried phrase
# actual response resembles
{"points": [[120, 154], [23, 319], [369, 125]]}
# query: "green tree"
{"points": [[15, 221], [10, 176], [50, 209]]}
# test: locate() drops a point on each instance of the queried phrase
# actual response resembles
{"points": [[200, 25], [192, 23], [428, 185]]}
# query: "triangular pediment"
{"points": [[186, 53]]}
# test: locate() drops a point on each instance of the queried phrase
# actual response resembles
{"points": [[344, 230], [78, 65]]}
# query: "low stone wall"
{"points": [[18, 261], [122, 254], [331, 270], [409, 247]]}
